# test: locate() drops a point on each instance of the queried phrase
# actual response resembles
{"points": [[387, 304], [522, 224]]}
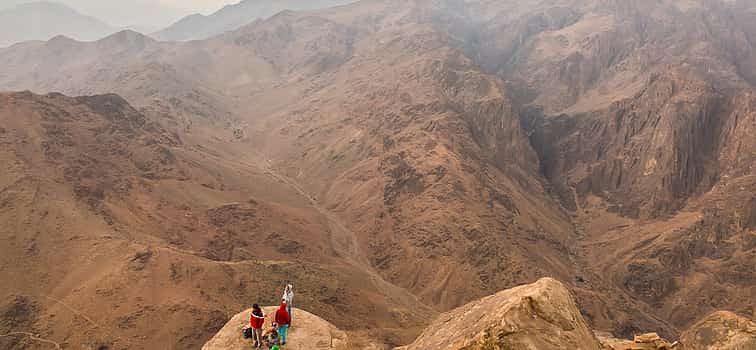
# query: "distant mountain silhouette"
{"points": [[44, 20], [197, 26]]}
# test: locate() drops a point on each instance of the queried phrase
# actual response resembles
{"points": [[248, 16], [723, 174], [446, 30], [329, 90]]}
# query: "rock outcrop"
{"points": [[648, 341], [310, 332], [542, 316], [722, 330]]}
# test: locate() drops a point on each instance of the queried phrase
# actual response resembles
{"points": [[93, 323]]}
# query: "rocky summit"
{"points": [[311, 332], [542, 315]]}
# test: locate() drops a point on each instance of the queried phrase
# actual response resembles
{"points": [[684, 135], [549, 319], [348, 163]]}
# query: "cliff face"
{"points": [[646, 155]]}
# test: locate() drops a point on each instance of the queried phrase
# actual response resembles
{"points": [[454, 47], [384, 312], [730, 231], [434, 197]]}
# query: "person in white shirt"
{"points": [[288, 297]]}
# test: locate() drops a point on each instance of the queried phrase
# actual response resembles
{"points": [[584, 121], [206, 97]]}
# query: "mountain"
{"points": [[230, 17], [413, 156], [45, 20]]}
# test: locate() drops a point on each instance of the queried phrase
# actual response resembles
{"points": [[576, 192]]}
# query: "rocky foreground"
{"points": [[538, 316], [309, 332]]}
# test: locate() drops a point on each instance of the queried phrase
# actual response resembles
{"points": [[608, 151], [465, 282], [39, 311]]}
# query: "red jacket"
{"points": [[282, 316], [256, 321]]}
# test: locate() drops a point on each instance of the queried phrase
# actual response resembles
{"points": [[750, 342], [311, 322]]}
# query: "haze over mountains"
{"points": [[230, 17], [394, 159], [45, 20], [141, 14]]}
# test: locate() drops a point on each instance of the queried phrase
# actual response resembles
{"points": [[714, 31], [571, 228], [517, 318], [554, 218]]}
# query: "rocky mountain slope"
{"points": [[446, 150], [120, 233], [230, 17], [44, 20]]}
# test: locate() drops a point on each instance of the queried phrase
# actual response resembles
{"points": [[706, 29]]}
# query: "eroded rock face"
{"points": [[646, 155], [542, 315], [722, 330]]}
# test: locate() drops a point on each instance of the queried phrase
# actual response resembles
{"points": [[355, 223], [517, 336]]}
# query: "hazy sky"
{"points": [[150, 13]]}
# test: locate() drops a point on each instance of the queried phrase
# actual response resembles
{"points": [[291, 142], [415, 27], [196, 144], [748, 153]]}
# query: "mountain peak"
{"points": [[127, 37]]}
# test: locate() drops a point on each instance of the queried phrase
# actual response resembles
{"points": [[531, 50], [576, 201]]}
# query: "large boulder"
{"points": [[538, 316], [309, 332], [721, 330]]}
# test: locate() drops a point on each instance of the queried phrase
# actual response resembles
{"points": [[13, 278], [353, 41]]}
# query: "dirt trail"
{"points": [[74, 311], [32, 336], [343, 240]]}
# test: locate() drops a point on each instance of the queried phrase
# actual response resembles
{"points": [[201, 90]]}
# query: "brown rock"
{"points": [[722, 330], [310, 333], [542, 315]]}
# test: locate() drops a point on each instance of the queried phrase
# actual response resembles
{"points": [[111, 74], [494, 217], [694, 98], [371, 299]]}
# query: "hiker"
{"points": [[256, 321], [288, 297], [282, 320]]}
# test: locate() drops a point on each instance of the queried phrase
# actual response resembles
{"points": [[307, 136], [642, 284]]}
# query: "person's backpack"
{"points": [[247, 332]]}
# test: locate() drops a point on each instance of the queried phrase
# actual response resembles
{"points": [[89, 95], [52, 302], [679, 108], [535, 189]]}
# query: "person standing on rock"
{"points": [[288, 298], [282, 320], [256, 321]]}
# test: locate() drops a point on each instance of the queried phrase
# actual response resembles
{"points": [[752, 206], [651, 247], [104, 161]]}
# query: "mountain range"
{"points": [[230, 17], [393, 159]]}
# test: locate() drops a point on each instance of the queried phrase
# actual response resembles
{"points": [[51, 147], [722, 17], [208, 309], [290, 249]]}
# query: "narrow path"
{"points": [[75, 311], [34, 337], [343, 240]]}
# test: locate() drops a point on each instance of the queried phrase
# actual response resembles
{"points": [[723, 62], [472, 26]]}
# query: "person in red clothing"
{"points": [[256, 321], [282, 319]]}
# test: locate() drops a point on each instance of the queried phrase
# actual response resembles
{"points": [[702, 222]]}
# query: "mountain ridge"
{"points": [[231, 17], [36, 16]]}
